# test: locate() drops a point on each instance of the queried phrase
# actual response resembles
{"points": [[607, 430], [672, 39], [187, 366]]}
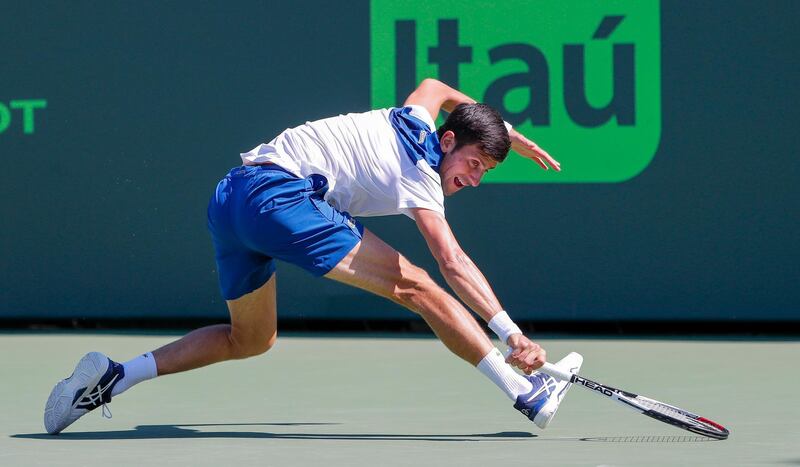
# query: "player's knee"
{"points": [[264, 344], [252, 345]]}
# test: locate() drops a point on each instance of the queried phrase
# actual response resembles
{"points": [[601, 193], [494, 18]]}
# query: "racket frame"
{"points": [[629, 399]]}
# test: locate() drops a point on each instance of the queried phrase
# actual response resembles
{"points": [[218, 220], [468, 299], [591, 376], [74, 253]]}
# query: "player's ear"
{"points": [[447, 141]]}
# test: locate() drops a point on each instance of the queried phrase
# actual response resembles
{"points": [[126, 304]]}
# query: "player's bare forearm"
{"points": [[470, 285], [473, 289], [457, 268], [435, 95]]}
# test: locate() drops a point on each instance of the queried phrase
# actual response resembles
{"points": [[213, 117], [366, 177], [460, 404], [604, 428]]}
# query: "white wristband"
{"points": [[508, 126], [502, 325]]}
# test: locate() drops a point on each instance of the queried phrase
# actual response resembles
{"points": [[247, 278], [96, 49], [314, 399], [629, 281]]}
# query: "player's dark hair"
{"points": [[478, 124]]}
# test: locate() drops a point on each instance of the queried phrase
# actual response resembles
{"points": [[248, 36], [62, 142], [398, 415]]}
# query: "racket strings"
{"points": [[664, 409], [674, 413]]}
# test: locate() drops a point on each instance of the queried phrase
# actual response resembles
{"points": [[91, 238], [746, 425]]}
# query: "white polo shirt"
{"points": [[368, 170]]}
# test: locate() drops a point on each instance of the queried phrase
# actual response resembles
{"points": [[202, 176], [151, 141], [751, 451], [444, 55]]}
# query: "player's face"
{"points": [[462, 167]]}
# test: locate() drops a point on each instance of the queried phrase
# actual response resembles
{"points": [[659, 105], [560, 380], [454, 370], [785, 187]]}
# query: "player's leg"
{"points": [[376, 267], [248, 284], [252, 331]]}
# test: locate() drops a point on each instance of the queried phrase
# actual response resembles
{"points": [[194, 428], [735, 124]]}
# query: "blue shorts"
{"points": [[262, 213]]}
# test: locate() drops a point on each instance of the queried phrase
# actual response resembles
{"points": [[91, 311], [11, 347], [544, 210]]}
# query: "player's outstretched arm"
{"points": [[457, 268], [474, 290]]}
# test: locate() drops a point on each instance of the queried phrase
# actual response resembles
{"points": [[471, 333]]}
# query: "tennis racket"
{"points": [[652, 408]]}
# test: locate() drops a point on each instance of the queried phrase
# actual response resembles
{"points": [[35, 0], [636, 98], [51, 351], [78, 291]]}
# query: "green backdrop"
{"points": [[118, 118]]}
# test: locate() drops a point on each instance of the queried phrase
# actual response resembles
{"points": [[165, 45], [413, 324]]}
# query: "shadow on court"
{"points": [[192, 431], [188, 431]]}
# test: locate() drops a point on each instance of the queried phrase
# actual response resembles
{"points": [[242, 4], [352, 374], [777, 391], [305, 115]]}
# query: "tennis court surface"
{"points": [[318, 400]]}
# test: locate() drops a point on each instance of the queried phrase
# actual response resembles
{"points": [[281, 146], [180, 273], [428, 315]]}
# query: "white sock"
{"points": [[137, 370], [503, 375]]}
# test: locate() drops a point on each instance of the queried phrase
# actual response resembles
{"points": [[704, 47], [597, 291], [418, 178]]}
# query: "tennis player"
{"points": [[297, 199]]}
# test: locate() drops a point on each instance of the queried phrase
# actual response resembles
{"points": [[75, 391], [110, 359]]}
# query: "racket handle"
{"points": [[549, 369], [556, 372]]}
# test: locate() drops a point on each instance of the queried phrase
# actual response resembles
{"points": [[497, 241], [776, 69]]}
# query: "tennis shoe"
{"points": [[541, 403], [88, 388]]}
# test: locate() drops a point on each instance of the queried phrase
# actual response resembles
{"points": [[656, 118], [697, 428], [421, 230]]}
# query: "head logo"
{"points": [[581, 78]]}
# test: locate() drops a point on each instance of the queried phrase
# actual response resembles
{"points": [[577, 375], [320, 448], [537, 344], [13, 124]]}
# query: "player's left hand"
{"points": [[527, 355], [527, 148]]}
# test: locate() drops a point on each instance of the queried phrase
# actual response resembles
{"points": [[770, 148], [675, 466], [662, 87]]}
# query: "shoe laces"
{"points": [[105, 411], [99, 396], [547, 387]]}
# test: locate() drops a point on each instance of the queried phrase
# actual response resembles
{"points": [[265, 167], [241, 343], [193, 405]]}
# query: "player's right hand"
{"points": [[526, 355]]}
